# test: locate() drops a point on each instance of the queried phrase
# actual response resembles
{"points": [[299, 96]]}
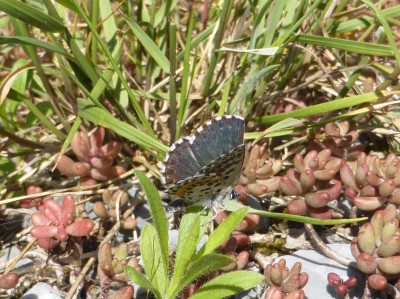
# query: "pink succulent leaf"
{"points": [[112, 149], [395, 198], [307, 178], [320, 213], [389, 246], [96, 139], [366, 263], [324, 174], [361, 174], [71, 168], [257, 189], [368, 203], [293, 283], [53, 217], [61, 235], [129, 223], [8, 281], [288, 187], [274, 293], [80, 146], [334, 164], [377, 282], [347, 176], [392, 169], [317, 199], [47, 243], [242, 259], [80, 228], [126, 292], [100, 210], [54, 207], [369, 191], [101, 162], [295, 270], [389, 265], [44, 231], [387, 188], [271, 184], [373, 178], [297, 207], [366, 238], [106, 174], [67, 209], [334, 190], [390, 228], [39, 219], [299, 164], [264, 170]]}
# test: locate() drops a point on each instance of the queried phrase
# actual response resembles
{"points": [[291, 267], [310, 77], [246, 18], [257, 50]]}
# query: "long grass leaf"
{"points": [[321, 108], [153, 50], [347, 45], [233, 206], [31, 15], [105, 119]]}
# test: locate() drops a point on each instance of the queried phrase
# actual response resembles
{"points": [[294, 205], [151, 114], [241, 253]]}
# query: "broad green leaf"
{"points": [[141, 279], [206, 264], [189, 235], [159, 218], [31, 15], [234, 206], [154, 267], [223, 231], [153, 50], [228, 284]]}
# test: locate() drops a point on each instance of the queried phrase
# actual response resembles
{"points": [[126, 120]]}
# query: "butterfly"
{"points": [[202, 169]]}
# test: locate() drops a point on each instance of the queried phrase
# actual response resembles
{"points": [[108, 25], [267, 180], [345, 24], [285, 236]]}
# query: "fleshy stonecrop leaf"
{"points": [[54, 223]]}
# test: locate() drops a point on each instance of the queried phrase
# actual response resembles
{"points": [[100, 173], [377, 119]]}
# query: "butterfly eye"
{"points": [[234, 194]]}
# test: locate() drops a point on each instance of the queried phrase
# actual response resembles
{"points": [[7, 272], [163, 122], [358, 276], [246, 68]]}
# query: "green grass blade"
{"points": [[320, 108], [21, 40], [347, 45], [44, 120], [364, 22], [71, 134], [153, 50], [234, 206], [31, 15], [388, 30], [105, 119]]}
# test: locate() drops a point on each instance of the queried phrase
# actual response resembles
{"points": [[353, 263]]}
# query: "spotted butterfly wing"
{"points": [[203, 168]]}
